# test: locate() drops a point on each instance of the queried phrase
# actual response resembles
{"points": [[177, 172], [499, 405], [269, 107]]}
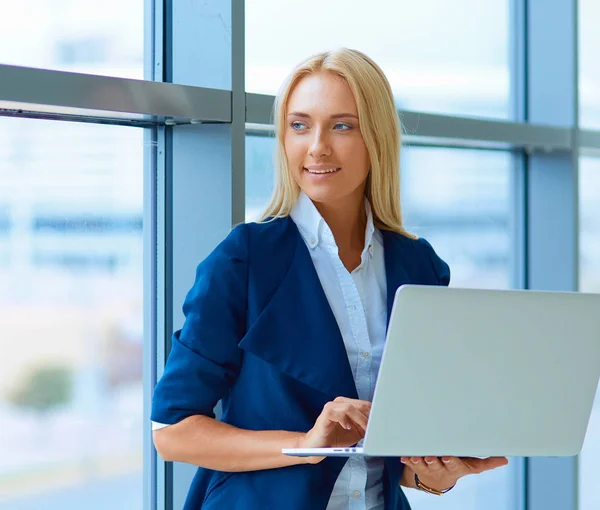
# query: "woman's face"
{"points": [[326, 153]]}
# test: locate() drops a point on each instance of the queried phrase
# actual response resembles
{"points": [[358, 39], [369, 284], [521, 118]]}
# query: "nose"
{"points": [[319, 145]]}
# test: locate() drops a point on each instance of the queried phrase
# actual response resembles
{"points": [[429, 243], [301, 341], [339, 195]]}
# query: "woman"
{"points": [[286, 320]]}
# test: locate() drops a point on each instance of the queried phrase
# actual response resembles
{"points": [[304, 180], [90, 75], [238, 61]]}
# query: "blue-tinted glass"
{"points": [[459, 201], [105, 38], [589, 281], [440, 56], [589, 64], [71, 314]]}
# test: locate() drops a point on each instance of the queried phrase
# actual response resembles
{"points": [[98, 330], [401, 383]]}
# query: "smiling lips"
{"points": [[318, 170]]}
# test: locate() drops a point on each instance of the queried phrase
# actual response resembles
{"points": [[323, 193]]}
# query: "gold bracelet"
{"points": [[423, 487]]}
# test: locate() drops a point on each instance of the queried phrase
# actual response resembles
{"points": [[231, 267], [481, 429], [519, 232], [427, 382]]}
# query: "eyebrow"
{"points": [[334, 116]]}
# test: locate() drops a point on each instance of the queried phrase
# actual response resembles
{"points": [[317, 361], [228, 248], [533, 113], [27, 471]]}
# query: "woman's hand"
{"points": [[342, 423], [441, 473]]}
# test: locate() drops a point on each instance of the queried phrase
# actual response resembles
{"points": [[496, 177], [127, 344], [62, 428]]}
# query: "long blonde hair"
{"points": [[379, 127]]}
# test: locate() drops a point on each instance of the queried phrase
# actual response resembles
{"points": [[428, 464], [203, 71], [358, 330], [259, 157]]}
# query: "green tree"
{"points": [[45, 388]]}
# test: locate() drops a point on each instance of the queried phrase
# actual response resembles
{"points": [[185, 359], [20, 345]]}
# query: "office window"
{"points": [[589, 208], [589, 281], [456, 61], [456, 199], [259, 174], [104, 38], [71, 314], [589, 64]]}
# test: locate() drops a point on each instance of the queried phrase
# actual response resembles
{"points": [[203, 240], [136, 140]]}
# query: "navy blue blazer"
{"points": [[260, 336]]}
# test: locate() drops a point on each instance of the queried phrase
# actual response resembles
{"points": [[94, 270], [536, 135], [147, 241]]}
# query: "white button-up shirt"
{"points": [[358, 302]]}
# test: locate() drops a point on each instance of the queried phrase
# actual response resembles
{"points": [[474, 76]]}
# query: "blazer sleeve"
{"points": [[440, 268], [205, 358]]}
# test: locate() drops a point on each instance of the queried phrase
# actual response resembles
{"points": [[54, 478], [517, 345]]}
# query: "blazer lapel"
{"points": [[298, 333], [395, 272]]}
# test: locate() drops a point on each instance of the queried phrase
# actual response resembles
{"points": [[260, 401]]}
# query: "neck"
{"points": [[347, 220]]}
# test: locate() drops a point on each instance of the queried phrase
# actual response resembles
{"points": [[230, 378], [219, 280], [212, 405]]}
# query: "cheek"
{"points": [[356, 157], [294, 152]]}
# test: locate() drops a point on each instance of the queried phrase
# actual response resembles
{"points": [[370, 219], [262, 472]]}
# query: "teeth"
{"points": [[328, 171]]}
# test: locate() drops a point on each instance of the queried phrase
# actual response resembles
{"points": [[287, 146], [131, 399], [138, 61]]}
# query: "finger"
{"points": [[454, 465], [359, 430], [345, 414], [434, 465], [363, 405], [346, 400], [358, 417], [331, 416], [414, 463], [351, 418], [480, 465], [417, 464]]}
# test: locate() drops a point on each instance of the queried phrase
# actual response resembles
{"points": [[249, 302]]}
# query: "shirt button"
{"points": [[356, 494], [313, 241], [364, 354]]}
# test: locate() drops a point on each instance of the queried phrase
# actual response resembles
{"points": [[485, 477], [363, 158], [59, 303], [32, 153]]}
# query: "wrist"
{"points": [[430, 488], [300, 442]]}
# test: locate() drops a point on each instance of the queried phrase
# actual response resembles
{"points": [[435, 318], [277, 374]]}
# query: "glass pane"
{"points": [[443, 63], [105, 38], [589, 281], [589, 64], [259, 174], [459, 201], [71, 315], [589, 208]]}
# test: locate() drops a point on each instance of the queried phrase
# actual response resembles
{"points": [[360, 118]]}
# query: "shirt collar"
{"points": [[313, 228]]}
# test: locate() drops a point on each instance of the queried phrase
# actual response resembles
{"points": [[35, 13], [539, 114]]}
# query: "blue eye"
{"points": [[297, 126], [345, 127]]}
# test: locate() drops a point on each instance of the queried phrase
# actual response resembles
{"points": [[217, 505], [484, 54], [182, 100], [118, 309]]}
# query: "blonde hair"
{"points": [[379, 127]]}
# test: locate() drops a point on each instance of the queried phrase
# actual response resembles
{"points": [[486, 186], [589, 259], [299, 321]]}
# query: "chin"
{"points": [[322, 194]]}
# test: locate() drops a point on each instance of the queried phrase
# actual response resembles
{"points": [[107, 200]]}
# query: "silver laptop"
{"points": [[479, 373]]}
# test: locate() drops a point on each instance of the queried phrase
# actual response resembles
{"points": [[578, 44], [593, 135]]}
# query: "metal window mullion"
{"points": [[518, 50], [59, 92], [552, 200], [518, 196], [238, 113], [149, 353], [207, 172], [161, 267], [164, 294]]}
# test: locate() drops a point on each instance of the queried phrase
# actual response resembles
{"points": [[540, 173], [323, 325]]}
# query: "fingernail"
{"points": [[445, 461], [415, 461], [428, 461]]}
